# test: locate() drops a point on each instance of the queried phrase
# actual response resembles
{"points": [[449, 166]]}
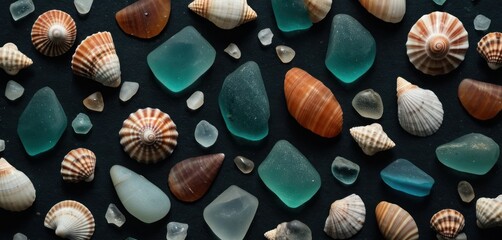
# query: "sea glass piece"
{"points": [[288, 174], [291, 15], [439, 2], [404, 176], [81, 124], [368, 104], [285, 53], [196, 100], [205, 134], [481, 22], [21, 8], [265, 36], [83, 6], [144, 18], [176, 231], [182, 59], [472, 153], [345, 170], [351, 49], [245, 165], [42, 122], [244, 103], [94, 102], [465, 191], [13, 90], [2, 145], [114, 216], [294, 230], [19, 236], [231, 213], [233, 50], [128, 90], [140, 197]]}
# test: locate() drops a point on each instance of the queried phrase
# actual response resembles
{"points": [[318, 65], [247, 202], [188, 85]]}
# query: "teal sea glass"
{"points": [[404, 176], [81, 124], [291, 15]]}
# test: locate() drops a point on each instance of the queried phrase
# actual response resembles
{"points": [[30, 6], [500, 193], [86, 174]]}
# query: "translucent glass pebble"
{"points": [[128, 90], [231, 213], [19, 236], [481, 22], [2, 145], [404, 176], [291, 15], [244, 164], [94, 102], [196, 100], [265, 36], [439, 2], [205, 134], [233, 51], [21, 8], [345, 170], [294, 230], [81, 124], [465, 191], [83, 6], [368, 104], [176, 231], [114, 216], [285, 53], [13, 90], [288, 174], [182, 59]]}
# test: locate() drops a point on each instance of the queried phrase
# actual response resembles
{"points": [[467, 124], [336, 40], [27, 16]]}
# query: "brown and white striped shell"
{"points": [[225, 14], [448, 223], [78, 165], [53, 33], [437, 43], [371, 138], [71, 220], [387, 10], [489, 212], [12, 60], [148, 135], [395, 223], [17, 192], [317, 9], [346, 217], [490, 48], [482, 100], [95, 58]]}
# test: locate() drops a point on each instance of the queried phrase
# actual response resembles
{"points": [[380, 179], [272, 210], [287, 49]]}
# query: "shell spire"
{"points": [[12, 60], [346, 217], [372, 138], [78, 165], [53, 33], [225, 14], [17, 192], [70, 219]]}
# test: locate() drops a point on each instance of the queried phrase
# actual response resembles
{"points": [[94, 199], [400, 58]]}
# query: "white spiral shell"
{"points": [[225, 14], [371, 138]]}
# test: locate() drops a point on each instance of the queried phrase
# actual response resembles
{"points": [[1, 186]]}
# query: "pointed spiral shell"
{"points": [[12, 60], [346, 217], [53, 33], [225, 14], [71, 220], [490, 48], [395, 223], [78, 165], [17, 192], [371, 138], [448, 223]]}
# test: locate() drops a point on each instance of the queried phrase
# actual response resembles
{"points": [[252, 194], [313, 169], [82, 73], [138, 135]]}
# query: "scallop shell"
{"points": [[53, 33], [482, 100], [95, 58], [395, 223], [17, 192], [448, 222], [71, 220], [148, 135], [225, 14], [346, 217], [312, 104], [419, 111], [78, 165], [387, 10], [12, 60], [371, 138], [490, 48], [317, 9], [437, 43], [144, 18], [489, 212]]}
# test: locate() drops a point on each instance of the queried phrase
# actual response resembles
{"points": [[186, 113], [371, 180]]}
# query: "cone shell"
{"points": [[148, 135], [312, 104], [482, 100], [490, 48], [95, 58], [448, 223], [53, 33], [17, 192], [437, 43], [317, 9], [395, 223], [78, 165], [371, 138], [489, 212], [144, 18], [387, 10], [71, 220], [225, 14], [346, 217], [12, 60], [419, 111]]}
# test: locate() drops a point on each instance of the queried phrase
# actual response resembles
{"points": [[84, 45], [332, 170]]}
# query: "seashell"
{"points": [[17, 192], [371, 138], [12, 60], [95, 58], [448, 223], [190, 179], [225, 14], [317, 9], [395, 223], [144, 18], [437, 43], [148, 135], [490, 48], [78, 165], [346, 217], [419, 111], [70, 219], [489, 212], [482, 100], [387, 10], [312, 104], [53, 33], [294, 230]]}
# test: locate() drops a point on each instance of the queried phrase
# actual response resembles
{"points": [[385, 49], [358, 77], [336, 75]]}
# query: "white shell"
{"points": [[371, 138], [17, 192], [489, 212], [71, 220], [387, 10], [225, 14], [78, 165], [12, 60], [346, 217], [317, 9]]}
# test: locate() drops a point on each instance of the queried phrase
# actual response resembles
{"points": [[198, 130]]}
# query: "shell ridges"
{"points": [[372, 138], [225, 14], [448, 223], [17, 192], [395, 223], [78, 165], [346, 217], [387, 10], [53, 33], [70, 219], [12, 60]]}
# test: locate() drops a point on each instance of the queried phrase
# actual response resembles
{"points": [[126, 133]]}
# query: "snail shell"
{"points": [[78, 165], [489, 212], [17, 192], [482, 100], [12, 60], [490, 48], [448, 223], [371, 138], [387, 10], [53, 33], [346, 217], [225, 14], [395, 223], [317, 9], [144, 18], [71, 220]]}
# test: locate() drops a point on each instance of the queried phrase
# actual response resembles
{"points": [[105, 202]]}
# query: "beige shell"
{"points": [[225, 14], [53, 33], [419, 111], [490, 48], [78, 165], [71, 220], [317, 9], [289, 230], [387, 10], [489, 212], [346, 217], [17, 192], [95, 58], [12, 60], [148, 135], [437, 43], [448, 222], [371, 138], [395, 223]]}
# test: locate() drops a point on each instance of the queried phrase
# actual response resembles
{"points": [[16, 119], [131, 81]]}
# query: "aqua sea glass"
{"points": [[345, 170], [291, 15], [81, 124], [404, 176], [21, 8]]}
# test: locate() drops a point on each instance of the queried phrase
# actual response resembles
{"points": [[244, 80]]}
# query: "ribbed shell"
{"points": [[317, 9], [346, 217], [448, 222], [144, 18], [225, 14], [395, 223], [419, 111], [387, 10], [78, 165], [148, 135], [294, 230], [437, 43], [482, 100], [95, 58], [490, 48], [53, 33], [489, 212], [371, 138], [71, 220], [17, 192], [312, 104], [12, 60]]}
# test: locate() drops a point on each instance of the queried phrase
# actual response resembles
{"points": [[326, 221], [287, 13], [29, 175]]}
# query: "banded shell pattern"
{"points": [[346, 217], [489, 212], [144, 18], [490, 48], [395, 223], [371, 138], [387, 10], [225, 14], [317, 9], [12, 60], [78, 165], [448, 223], [17, 192], [53, 33], [71, 220], [482, 100]]}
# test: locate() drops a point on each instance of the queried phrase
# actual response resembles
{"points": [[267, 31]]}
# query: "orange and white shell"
{"points": [[489, 212], [71, 220], [317, 9], [395, 223], [490, 48], [12, 60], [437, 43], [448, 223], [95, 58], [17, 192], [346, 217], [371, 138], [148, 135], [53, 33], [225, 14], [78, 165], [387, 10]]}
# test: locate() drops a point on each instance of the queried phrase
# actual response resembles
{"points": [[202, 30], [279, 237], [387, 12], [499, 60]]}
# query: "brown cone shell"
{"points": [[144, 18], [395, 223], [53, 33], [482, 100]]}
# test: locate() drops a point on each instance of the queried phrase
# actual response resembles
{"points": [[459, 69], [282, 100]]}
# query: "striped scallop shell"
{"points": [[346, 217], [12, 60], [371, 138], [53, 33], [490, 48], [71, 220], [317, 9], [387, 10], [481, 100], [489, 212], [95, 58], [225, 14], [17, 192], [395, 223], [448, 222], [148, 135], [78, 165], [437, 43]]}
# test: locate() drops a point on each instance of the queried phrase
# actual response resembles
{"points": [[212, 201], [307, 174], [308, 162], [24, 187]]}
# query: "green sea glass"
{"points": [[291, 15], [81, 124]]}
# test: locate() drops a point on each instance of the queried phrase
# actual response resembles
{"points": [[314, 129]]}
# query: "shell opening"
{"points": [[149, 137], [438, 46], [57, 33]]}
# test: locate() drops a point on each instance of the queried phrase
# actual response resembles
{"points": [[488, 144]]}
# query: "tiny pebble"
{"points": [[2, 145], [19, 236], [94, 102], [265, 36], [196, 100], [83, 6], [481, 22], [243, 164], [13, 90], [128, 90], [176, 231], [465, 191], [205, 134], [233, 51], [285, 53]]}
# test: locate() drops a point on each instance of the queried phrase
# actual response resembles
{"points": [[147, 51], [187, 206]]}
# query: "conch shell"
{"points": [[395, 223], [482, 100], [346, 217], [70, 219], [53, 33], [371, 138], [12, 60], [17, 192], [490, 48], [225, 14], [78, 165], [144, 18], [489, 212], [448, 223], [387, 10]]}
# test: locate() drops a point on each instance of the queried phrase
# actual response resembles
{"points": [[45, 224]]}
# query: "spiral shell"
{"points": [[144, 18], [317, 9], [53, 33], [12, 60], [17, 192], [71, 220], [387, 10], [346, 217], [490, 48], [489, 212], [482, 100], [372, 138], [448, 222], [437, 43], [148, 135], [225, 14], [312, 104], [395, 223], [78, 165]]}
